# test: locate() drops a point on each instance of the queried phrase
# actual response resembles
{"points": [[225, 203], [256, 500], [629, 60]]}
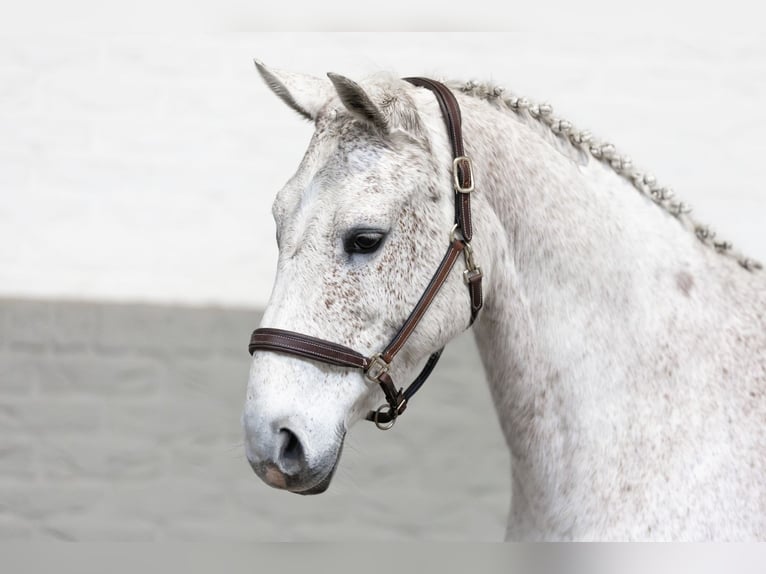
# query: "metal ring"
{"points": [[383, 426], [452, 233]]}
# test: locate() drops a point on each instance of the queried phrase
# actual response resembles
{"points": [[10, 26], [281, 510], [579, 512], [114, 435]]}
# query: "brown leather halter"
{"points": [[376, 368]]}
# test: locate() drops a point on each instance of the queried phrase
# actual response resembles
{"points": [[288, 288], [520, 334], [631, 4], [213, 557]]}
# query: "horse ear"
{"points": [[358, 102], [305, 94]]}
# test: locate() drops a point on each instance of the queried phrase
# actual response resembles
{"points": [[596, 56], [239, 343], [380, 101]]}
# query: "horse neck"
{"points": [[583, 274], [566, 235]]}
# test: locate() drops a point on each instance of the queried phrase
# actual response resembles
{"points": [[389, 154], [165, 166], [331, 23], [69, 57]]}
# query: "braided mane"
{"points": [[564, 131]]}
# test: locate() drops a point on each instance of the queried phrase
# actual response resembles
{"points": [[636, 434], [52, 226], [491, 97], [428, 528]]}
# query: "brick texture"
{"points": [[143, 167], [122, 422]]}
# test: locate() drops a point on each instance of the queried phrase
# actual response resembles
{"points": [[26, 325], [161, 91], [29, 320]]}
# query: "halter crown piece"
{"points": [[376, 368]]}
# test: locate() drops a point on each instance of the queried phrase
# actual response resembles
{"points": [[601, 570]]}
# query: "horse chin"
{"points": [[323, 484], [318, 489]]}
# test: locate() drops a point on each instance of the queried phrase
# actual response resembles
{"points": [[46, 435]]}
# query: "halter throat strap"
{"points": [[376, 368]]}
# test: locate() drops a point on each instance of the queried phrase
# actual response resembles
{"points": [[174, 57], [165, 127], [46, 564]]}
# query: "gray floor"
{"points": [[121, 422]]}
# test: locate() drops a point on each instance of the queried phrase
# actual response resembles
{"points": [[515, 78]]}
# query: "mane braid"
{"points": [[607, 154]]}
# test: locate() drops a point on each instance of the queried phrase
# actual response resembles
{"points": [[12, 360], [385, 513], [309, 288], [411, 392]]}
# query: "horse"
{"points": [[624, 344]]}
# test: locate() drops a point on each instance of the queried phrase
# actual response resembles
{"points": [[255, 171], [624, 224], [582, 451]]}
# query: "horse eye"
{"points": [[363, 241]]}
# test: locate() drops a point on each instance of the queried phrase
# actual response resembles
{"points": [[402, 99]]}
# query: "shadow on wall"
{"points": [[121, 422]]}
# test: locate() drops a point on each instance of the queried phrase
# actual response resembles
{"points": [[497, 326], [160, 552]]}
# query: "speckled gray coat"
{"points": [[626, 358]]}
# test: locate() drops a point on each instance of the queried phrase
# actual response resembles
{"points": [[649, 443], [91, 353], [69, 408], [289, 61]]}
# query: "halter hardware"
{"points": [[381, 425], [460, 179], [472, 272], [377, 367]]}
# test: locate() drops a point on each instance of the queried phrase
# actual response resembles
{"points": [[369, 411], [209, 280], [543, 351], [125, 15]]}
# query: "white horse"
{"points": [[625, 347]]}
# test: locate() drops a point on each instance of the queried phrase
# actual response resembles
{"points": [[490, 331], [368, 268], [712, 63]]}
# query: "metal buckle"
{"points": [[467, 166], [376, 369]]}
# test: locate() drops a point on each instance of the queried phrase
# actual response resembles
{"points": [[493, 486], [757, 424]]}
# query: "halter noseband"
{"points": [[376, 368]]}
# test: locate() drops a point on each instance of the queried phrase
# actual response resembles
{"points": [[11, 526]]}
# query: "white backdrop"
{"points": [[142, 167]]}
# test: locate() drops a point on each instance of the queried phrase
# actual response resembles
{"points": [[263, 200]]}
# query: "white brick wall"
{"points": [[142, 167]]}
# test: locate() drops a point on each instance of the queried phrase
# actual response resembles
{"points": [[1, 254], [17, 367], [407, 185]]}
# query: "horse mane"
{"points": [[560, 132]]}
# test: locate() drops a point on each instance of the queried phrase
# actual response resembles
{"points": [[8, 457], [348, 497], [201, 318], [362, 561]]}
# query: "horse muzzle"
{"points": [[279, 458]]}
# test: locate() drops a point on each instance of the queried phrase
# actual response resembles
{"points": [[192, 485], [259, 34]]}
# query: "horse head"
{"points": [[360, 228]]}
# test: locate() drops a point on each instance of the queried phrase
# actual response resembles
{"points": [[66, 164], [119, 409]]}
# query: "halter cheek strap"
{"points": [[376, 368]]}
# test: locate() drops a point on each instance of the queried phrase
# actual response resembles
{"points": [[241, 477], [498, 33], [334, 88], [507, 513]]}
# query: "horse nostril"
{"points": [[291, 450]]}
